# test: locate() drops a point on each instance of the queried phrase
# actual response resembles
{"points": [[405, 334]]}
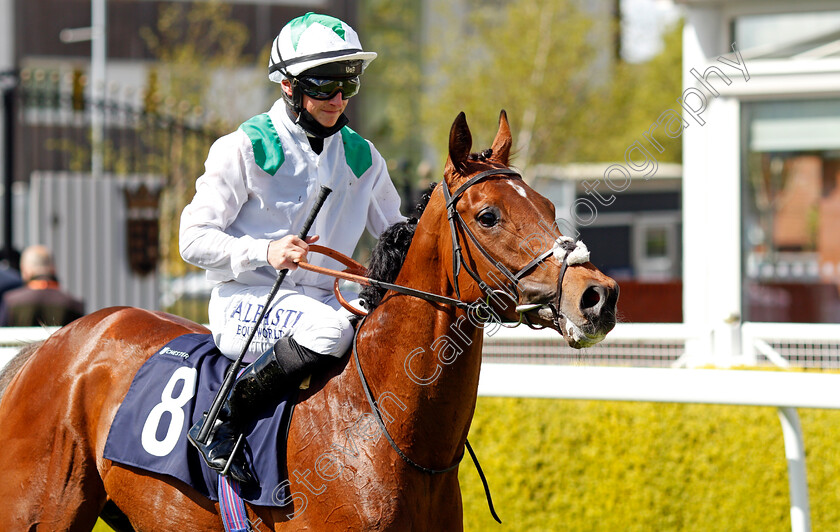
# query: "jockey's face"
{"points": [[326, 112]]}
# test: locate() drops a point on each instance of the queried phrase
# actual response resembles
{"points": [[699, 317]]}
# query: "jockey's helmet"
{"points": [[313, 50]]}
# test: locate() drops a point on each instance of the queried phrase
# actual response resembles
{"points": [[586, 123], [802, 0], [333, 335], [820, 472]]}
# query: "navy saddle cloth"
{"points": [[168, 395]]}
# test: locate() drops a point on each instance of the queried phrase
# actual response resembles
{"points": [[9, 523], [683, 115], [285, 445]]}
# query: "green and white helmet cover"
{"points": [[313, 40]]}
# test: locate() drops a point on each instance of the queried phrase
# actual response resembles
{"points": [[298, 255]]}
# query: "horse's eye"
{"points": [[487, 218]]}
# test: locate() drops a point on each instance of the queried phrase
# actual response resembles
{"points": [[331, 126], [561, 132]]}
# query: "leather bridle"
{"points": [[456, 222], [355, 271]]}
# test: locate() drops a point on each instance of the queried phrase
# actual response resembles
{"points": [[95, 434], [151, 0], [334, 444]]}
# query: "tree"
{"points": [[192, 42], [547, 62], [638, 95], [392, 85], [531, 58], [195, 45]]}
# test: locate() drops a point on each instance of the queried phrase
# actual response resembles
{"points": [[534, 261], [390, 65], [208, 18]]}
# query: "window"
{"points": [[788, 35], [656, 242], [656, 247], [791, 211]]}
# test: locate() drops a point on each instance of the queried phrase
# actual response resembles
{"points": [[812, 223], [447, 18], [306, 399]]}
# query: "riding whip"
{"points": [[232, 373]]}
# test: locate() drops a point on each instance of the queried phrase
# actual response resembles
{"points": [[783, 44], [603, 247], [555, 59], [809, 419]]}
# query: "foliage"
{"points": [[600, 466], [191, 41], [530, 58], [391, 103], [390, 100], [638, 95], [591, 465], [551, 66]]}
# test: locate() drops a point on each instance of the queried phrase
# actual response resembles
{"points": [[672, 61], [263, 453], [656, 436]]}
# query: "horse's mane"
{"points": [[15, 364], [388, 255]]}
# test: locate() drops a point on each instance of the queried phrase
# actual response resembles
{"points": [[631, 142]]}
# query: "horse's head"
{"points": [[506, 239]]}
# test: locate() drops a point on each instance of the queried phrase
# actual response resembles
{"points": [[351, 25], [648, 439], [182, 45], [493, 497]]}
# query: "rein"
{"points": [[375, 409], [354, 273]]}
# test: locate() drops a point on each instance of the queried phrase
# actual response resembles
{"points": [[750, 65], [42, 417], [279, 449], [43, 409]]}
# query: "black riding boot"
{"points": [[279, 368]]}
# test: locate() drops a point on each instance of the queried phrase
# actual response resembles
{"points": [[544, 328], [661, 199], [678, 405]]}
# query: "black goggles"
{"points": [[324, 89]]}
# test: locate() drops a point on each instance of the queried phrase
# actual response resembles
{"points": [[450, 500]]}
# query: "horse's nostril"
{"points": [[591, 298]]}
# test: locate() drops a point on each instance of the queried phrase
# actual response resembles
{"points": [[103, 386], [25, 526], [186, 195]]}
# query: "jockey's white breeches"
{"points": [[312, 315]]}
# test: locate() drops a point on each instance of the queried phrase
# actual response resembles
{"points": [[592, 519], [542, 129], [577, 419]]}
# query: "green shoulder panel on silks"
{"points": [[268, 150], [356, 151]]}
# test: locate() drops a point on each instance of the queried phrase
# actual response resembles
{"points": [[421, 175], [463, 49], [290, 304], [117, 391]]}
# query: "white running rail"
{"points": [[13, 338]]}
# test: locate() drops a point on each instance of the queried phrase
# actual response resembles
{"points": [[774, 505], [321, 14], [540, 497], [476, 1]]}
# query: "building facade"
{"points": [[97, 170], [635, 234], [761, 145]]}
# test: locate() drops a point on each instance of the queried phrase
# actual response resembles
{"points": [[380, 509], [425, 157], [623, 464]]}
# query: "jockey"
{"points": [[259, 184]]}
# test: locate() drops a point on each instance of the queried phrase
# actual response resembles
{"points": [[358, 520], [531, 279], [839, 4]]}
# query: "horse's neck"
{"points": [[425, 360], [424, 373]]}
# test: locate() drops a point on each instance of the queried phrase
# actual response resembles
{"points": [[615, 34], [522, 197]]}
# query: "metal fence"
{"points": [[673, 345], [637, 345], [148, 139], [799, 345]]}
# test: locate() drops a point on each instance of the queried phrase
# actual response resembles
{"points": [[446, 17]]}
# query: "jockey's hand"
{"points": [[289, 251]]}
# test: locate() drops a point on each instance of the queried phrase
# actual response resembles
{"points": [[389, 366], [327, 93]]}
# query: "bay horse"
{"points": [[420, 361]]}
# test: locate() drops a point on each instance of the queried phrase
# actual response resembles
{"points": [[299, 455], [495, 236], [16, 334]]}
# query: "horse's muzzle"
{"points": [[598, 305], [586, 302]]}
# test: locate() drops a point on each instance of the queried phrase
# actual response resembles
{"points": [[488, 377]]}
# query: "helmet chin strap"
{"points": [[312, 126]]}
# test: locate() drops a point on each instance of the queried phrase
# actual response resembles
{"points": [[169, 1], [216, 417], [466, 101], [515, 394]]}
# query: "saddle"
{"points": [[168, 395]]}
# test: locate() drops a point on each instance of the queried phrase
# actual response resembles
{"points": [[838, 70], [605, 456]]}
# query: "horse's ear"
{"points": [[460, 143], [503, 141]]}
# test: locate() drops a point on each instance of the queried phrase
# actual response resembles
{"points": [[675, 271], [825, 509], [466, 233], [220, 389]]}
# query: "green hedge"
{"points": [[618, 466], [623, 467]]}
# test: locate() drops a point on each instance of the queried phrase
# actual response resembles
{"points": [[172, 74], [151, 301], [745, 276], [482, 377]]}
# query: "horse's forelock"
{"points": [[477, 162], [481, 156]]}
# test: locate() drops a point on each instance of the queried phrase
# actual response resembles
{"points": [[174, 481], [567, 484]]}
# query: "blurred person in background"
{"points": [[259, 185], [9, 271], [40, 301]]}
